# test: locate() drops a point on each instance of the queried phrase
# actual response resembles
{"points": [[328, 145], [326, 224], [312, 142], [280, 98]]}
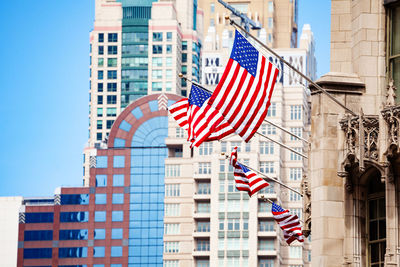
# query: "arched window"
{"points": [[376, 222]]}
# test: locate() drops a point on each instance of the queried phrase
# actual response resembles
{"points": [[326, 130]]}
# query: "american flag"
{"points": [[184, 112], [242, 96], [289, 224], [246, 179]]}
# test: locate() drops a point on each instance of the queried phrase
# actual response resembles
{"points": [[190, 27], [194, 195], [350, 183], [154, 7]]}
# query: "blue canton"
{"points": [[198, 96], [245, 54], [276, 208]]}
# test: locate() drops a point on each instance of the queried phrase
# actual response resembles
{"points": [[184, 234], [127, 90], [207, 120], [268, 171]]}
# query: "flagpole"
{"points": [[262, 174], [286, 131], [285, 146], [290, 66]]}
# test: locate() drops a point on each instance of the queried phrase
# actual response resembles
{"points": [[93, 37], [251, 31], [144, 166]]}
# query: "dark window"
{"points": [[183, 82], [184, 57], [74, 234], [169, 49], [38, 235], [101, 50], [110, 123], [37, 253], [157, 49], [393, 43], [75, 199], [101, 37], [113, 37], [157, 36], [99, 136], [112, 74], [39, 217], [111, 99], [169, 36], [79, 252], [111, 87], [76, 216], [100, 74], [184, 45], [99, 125], [100, 87], [112, 49], [99, 99]]}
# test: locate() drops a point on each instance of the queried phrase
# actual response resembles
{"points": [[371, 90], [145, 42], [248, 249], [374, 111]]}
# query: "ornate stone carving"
{"points": [[306, 191], [391, 95], [391, 115], [361, 149]]}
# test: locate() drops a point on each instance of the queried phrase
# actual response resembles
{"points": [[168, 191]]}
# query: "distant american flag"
{"points": [[185, 113], [246, 179], [289, 224], [242, 96]]}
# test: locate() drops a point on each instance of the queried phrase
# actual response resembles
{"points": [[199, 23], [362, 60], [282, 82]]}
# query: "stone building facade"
{"points": [[354, 158]]}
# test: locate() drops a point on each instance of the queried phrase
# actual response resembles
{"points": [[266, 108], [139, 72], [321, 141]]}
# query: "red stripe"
{"points": [[228, 89], [252, 100], [222, 80]]}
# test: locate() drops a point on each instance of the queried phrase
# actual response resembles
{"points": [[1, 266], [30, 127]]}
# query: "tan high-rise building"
{"points": [[354, 159], [277, 18]]}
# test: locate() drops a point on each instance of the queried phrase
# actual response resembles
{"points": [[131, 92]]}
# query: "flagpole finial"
{"points": [[222, 153], [180, 75], [227, 17]]}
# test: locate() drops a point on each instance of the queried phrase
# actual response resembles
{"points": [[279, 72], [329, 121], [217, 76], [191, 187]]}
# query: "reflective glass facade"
{"points": [[147, 193]]}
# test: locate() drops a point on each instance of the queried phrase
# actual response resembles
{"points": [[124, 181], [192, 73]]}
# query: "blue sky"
{"points": [[44, 78]]}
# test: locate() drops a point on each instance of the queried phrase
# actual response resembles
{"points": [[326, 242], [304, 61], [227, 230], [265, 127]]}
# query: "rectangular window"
{"points": [[203, 207], [264, 207], [248, 147], [99, 252], [205, 148], [157, 49], [99, 234], [99, 136], [112, 62], [294, 156], [157, 36], [168, 86], [172, 190], [75, 199], [99, 112], [272, 110], [99, 125], [78, 234], [266, 148], [118, 198], [266, 226], [184, 57], [76, 252], [393, 44], [101, 50], [101, 37], [118, 180], [295, 252], [203, 245], [297, 131], [112, 50], [223, 146], [136, 49], [204, 168], [156, 74], [100, 62], [134, 62], [113, 37], [99, 99], [157, 61], [168, 61], [40, 235], [111, 99], [111, 112], [169, 36], [99, 216], [295, 112], [295, 174], [37, 253], [293, 196], [270, 23], [116, 233], [100, 198], [156, 86], [204, 188], [112, 74], [172, 170], [169, 49], [184, 45], [75, 216], [267, 166], [111, 87], [100, 87], [171, 228], [117, 216], [266, 263], [168, 74], [171, 263], [116, 251], [39, 217], [203, 227], [109, 124], [129, 37], [171, 247], [179, 132], [266, 244], [233, 243], [100, 75], [172, 209], [233, 224]]}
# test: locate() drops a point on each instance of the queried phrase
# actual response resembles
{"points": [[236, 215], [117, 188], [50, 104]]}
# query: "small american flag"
{"points": [[242, 96], [246, 179], [289, 224], [185, 110]]}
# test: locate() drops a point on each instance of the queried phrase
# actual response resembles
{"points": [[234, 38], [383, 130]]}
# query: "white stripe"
{"points": [[231, 93], [229, 77]]}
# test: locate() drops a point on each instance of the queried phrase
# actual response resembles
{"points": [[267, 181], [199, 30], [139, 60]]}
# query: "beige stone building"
{"points": [[354, 157]]}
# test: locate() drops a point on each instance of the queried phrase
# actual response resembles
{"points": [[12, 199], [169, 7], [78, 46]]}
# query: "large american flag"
{"points": [[185, 113], [242, 96], [289, 224], [246, 179]]}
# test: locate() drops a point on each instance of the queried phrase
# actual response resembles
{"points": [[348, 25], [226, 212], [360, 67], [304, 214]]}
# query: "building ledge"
{"points": [[339, 83]]}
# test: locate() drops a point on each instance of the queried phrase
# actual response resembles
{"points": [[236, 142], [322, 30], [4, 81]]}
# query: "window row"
{"points": [[158, 36], [111, 75], [112, 37], [111, 62], [71, 234], [158, 49], [72, 252], [111, 50], [111, 87]]}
